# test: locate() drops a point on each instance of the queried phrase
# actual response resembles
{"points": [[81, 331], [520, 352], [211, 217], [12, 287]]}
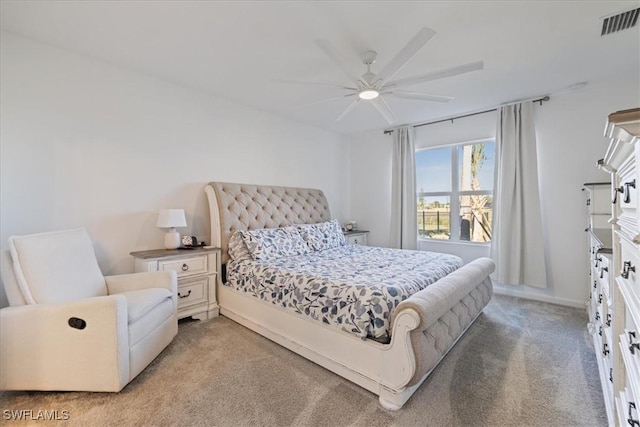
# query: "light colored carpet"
{"points": [[523, 363]]}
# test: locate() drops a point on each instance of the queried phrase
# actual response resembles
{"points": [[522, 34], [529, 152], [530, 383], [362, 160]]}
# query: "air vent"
{"points": [[619, 22]]}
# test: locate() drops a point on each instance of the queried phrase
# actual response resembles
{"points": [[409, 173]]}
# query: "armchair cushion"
{"points": [[47, 274]]}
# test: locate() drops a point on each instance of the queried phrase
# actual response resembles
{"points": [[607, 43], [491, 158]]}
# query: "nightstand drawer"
{"points": [[192, 292], [186, 266]]}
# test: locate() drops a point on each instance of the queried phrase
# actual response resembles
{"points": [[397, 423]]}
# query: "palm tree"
{"points": [[481, 226]]}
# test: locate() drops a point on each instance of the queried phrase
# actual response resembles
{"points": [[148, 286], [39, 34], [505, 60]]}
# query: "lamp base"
{"points": [[172, 239]]}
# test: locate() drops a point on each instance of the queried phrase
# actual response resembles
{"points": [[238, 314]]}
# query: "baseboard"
{"points": [[524, 294]]}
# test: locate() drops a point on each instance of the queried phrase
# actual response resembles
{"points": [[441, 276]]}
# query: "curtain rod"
{"points": [[451, 119]]}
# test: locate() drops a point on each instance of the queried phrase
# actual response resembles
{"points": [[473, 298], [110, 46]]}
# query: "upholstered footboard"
{"points": [[443, 312]]}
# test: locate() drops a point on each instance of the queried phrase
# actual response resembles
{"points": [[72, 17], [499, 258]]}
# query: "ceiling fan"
{"points": [[372, 87]]}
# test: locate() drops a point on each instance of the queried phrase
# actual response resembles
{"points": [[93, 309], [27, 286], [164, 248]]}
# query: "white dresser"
{"points": [[620, 317], [600, 300]]}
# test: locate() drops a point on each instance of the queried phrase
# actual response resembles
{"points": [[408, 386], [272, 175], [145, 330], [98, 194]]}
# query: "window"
{"points": [[456, 182]]}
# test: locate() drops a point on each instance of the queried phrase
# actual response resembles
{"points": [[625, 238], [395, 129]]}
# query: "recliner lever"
{"points": [[77, 323]]}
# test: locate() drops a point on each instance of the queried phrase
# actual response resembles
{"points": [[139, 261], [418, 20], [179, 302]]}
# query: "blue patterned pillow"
{"points": [[324, 235], [237, 249], [272, 243]]}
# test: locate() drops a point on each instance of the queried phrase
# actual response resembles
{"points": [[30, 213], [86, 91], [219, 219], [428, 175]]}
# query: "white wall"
{"points": [[85, 143], [570, 141]]}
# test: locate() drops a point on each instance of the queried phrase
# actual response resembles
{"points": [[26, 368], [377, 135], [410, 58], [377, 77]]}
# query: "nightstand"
{"points": [[356, 237], [197, 270]]}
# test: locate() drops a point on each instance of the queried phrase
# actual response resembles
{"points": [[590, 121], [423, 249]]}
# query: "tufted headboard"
{"points": [[248, 207]]}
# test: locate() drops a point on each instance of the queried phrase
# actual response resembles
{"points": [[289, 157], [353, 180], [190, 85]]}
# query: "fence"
{"points": [[436, 224]]}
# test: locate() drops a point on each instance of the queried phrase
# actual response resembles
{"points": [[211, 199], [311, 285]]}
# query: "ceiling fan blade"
{"points": [[419, 95], [402, 57], [383, 108], [326, 47], [322, 101], [346, 111], [305, 83], [439, 74]]}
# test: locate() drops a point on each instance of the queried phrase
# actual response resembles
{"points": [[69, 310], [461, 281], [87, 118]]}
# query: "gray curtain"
{"points": [[404, 223], [517, 245]]}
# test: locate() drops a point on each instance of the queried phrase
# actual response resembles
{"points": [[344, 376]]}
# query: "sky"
{"points": [[433, 168]]}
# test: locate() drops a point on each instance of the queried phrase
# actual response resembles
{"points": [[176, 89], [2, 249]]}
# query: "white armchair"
{"points": [[70, 328]]}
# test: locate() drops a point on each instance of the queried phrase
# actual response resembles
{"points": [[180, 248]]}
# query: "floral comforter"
{"points": [[353, 287]]}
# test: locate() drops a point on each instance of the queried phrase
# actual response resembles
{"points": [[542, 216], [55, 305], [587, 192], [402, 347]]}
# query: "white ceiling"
{"points": [[237, 49]]}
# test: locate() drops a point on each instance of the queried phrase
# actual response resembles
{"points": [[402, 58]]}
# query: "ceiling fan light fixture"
{"points": [[368, 94]]}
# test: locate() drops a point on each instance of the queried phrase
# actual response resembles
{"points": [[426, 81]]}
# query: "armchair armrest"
{"points": [[41, 350], [136, 281]]}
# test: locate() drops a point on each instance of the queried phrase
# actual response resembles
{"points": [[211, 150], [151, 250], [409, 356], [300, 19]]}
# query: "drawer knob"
{"points": [[627, 192], [605, 349], [617, 190], [184, 296], [626, 268], [624, 189], [599, 298], [611, 374], [185, 267], [608, 322], [633, 345], [600, 331], [597, 315], [631, 420], [602, 270]]}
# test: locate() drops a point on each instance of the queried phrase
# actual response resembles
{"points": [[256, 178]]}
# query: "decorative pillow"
{"points": [[273, 243], [323, 235], [237, 248]]}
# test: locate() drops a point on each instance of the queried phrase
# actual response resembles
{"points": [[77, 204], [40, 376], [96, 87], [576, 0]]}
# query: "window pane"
{"points": [[433, 170], [434, 217], [476, 166], [476, 217]]}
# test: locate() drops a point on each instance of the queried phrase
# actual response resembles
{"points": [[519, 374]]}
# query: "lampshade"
{"points": [[169, 218]]}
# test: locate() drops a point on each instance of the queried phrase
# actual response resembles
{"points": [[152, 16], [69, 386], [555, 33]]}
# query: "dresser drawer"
{"points": [[192, 292], [185, 266]]}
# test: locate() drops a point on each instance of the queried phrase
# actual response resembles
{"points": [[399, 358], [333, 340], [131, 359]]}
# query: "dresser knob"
{"points": [[626, 268], [185, 267], [602, 270], [631, 420], [617, 190], [608, 322], [605, 349], [627, 192]]}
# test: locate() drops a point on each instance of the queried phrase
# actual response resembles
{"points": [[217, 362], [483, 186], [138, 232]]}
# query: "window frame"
{"points": [[455, 193]]}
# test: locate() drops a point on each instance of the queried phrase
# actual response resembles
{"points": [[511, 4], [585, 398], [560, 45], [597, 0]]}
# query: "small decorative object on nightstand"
{"points": [[356, 237], [197, 272]]}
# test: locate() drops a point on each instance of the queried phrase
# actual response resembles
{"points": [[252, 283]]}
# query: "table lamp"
{"points": [[171, 218]]}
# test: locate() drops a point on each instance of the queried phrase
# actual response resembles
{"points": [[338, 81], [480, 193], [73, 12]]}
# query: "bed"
{"points": [[412, 328]]}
